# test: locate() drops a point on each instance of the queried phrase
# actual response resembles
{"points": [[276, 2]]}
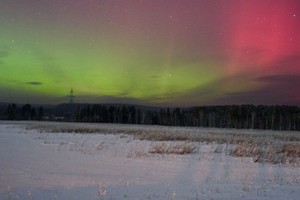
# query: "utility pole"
{"points": [[72, 96]]}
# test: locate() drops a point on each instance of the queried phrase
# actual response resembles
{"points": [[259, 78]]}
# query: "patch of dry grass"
{"points": [[261, 145], [163, 148], [269, 153]]}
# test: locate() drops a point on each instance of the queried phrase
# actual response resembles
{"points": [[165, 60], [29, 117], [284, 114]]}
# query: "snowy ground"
{"points": [[56, 161]]}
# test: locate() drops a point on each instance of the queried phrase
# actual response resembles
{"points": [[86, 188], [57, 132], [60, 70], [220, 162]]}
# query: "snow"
{"points": [[39, 164]]}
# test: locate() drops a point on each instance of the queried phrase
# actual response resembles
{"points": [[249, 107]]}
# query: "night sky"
{"points": [[151, 52]]}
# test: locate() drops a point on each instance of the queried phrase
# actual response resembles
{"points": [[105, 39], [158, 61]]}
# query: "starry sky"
{"points": [[150, 52]]}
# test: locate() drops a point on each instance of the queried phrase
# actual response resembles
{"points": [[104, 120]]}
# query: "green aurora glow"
{"points": [[113, 50]]}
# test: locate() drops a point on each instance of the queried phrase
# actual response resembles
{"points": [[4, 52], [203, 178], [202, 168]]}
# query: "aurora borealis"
{"points": [[152, 52]]}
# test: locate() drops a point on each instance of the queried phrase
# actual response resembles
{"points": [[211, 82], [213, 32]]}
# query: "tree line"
{"points": [[25, 112], [228, 116]]}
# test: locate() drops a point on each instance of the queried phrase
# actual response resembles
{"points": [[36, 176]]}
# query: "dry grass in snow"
{"points": [[263, 145], [270, 153], [163, 148], [111, 161]]}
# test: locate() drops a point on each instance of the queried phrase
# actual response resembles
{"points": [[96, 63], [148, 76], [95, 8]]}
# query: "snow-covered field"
{"points": [[40, 160]]}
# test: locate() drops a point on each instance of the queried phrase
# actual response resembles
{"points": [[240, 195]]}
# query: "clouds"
{"points": [[274, 89], [289, 64], [34, 83], [284, 87], [281, 79]]}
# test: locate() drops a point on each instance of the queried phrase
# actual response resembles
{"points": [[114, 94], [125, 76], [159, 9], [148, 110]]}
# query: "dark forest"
{"points": [[229, 116]]}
